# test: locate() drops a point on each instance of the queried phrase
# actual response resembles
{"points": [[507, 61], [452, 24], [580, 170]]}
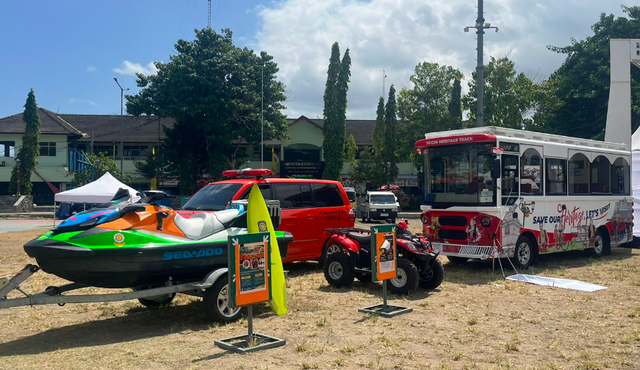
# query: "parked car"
{"points": [[351, 194], [378, 205], [309, 207]]}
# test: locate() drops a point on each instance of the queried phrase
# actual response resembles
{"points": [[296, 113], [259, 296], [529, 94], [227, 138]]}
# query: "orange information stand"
{"points": [[249, 283], [383, 263]]}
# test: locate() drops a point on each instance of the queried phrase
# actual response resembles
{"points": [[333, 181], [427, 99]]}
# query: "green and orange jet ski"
{"points": [[120, 244]]}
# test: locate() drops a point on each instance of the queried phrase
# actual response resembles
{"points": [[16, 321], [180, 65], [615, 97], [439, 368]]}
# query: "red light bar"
{"points": [[249, 172]]}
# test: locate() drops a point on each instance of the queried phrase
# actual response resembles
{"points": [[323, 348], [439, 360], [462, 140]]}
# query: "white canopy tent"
{"points": [[635, 178], [100, 191]]}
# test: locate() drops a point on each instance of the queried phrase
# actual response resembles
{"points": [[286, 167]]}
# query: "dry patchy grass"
{"points": [[475, 320]]}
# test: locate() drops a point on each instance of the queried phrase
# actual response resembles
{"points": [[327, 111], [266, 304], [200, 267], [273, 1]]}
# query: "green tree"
{"points": [[30, 148], [379, 130], [429, 106], [212, 89], [580, 86], [369, 170], [508, 95], [101, 165], [351, 151], [390, 156], [335, 111]]}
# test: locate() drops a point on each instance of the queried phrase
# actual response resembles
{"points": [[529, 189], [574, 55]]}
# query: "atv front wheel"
{"points": [[433, 278], [407, 277], [217, 304], [338, 270]]}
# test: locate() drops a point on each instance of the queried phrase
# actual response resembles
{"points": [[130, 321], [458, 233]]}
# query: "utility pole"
{"points": [[121, 129], [209, 22], [18, 177], [384, 76], [480, 26]]}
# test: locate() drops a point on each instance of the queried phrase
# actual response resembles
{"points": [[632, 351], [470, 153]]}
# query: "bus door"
{"points": [[509, 179]]}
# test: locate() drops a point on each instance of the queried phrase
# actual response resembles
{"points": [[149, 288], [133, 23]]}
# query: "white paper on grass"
{"points": [[558, 283]]}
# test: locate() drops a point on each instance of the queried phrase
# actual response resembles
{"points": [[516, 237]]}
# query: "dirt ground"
{"points": [[475, 320]]}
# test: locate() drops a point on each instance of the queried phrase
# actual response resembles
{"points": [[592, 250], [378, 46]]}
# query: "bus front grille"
{"points": [[452, 234], [452, 220]]}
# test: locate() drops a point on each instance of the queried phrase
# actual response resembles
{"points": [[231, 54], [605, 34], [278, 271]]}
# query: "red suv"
{"points": [[309, 207]]}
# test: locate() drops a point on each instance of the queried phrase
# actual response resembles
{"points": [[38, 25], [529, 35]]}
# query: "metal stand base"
{"points": [[258, 342], [385, 310], [250, 342]]}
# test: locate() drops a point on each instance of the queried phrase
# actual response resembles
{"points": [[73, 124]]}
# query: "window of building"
{"points": [[600, 176], [326, 195], [620, 177], [579, 174], [47, 149], [531, 176], [7, 149], [556, 176], [108, 150], [135, 151]]}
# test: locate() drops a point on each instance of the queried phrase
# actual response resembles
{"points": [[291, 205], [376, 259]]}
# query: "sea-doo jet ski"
{"points": [[120, 244]]}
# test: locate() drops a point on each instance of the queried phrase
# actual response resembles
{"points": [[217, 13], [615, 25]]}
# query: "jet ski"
{"points": [[121, 244]]}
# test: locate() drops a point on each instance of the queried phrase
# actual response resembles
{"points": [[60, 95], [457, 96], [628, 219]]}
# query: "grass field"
{"points": [[475, 320]]}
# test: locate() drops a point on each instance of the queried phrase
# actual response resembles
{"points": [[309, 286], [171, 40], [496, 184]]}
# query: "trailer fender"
{"points": [[213, 276]]}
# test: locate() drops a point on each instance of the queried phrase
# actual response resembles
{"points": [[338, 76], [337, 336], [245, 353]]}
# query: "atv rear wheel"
{"points": [[407, 277], [433, 278], [217, 304], [338, 270]]}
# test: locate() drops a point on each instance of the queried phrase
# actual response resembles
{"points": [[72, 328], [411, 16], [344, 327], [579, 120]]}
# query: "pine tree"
{"points": [[379, 130], [455, 105], [28, 153], [391, 136], [335, 112]]}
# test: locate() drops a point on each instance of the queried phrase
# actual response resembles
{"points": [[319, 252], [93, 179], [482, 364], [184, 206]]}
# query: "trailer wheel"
{"points": [[433, 278], [161, 300], [407, 277], [217, 304], [524, 253], [338, 270]]}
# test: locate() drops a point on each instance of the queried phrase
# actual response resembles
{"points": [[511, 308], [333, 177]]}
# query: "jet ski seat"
{"points": [[201, 225]]}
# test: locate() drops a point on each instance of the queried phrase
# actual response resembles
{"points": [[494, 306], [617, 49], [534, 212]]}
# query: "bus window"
{"points": [[509, 179], [620, 178], [600, 176], [531, 176], [578, 174], [556, 176]]}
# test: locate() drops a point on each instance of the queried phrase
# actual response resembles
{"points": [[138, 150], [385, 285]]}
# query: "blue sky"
{"points": [[70, 51], [67, 50]]}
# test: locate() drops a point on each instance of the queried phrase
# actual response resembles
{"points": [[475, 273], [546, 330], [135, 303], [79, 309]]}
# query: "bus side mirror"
{"points": [[495, 169]]}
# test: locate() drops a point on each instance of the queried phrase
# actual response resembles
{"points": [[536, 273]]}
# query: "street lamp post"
{"points": [[480, 26], [262, 120], [121, 128]]}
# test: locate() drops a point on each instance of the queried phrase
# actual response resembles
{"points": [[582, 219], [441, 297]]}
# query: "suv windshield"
{"points": [[213, 197], [460, 174], [383, 199]]}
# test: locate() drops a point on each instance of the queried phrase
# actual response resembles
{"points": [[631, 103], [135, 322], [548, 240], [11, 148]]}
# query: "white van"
{"points": [[378, 205]]}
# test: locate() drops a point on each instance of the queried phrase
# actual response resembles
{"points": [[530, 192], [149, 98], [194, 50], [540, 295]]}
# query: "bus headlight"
{"points": [[486, 222]]}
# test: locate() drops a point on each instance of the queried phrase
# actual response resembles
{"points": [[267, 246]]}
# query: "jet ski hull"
{"points": [[141, 265]]}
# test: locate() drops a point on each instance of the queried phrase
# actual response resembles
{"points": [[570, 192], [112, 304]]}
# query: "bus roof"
{"points": [[491, 133]]}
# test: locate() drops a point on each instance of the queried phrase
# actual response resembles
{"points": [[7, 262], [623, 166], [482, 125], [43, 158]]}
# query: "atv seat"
{"points": [[363, 239], [201, 225]]}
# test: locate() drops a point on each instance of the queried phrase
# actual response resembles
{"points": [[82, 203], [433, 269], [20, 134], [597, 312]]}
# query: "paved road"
{"points": [[21, 225]]}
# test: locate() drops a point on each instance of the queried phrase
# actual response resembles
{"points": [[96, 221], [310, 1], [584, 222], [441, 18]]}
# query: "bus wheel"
{"points": [[524, 252], [457, 260], [601, 245]]}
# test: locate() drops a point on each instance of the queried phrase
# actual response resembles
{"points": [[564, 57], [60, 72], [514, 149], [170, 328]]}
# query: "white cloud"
{"points": [[395, 35], [83, 101], [91, 69], [130, 69]]}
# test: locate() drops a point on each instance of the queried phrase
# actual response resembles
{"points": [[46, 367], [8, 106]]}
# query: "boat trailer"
{"points": [[54, 294]]}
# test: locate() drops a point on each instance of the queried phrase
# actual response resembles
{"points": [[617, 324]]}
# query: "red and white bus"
{"points": [[491, 192]]}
